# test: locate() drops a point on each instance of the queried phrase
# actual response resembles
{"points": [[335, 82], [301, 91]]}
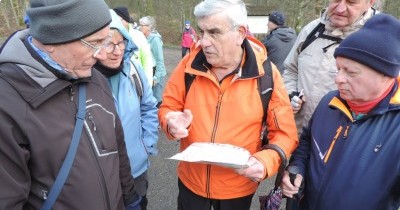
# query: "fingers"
{"points": [[296, 103], [288, 189], [255, 171], [178, 122]]}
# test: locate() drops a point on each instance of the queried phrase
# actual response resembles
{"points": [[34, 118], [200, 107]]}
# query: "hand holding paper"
{"points": [[178, 122], [254, 172]]}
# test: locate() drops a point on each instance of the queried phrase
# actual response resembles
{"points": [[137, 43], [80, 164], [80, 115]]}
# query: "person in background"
{"points": [[135, 103], [147, 25], [44, 71], [280, 39], [143, 54], [188, 37], [347, 162], [226, 66], [312, 70]]}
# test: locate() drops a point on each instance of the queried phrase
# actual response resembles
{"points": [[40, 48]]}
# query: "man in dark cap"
{"points": [[348, 154], [61, 141], [280, 39]]}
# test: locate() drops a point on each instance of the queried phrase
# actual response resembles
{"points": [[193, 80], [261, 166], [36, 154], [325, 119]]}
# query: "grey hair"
{"points": [[234, 9], [149, 21]]}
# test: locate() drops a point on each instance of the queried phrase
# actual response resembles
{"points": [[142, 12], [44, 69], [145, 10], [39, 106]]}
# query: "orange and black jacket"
{"points": [[229, 111]]}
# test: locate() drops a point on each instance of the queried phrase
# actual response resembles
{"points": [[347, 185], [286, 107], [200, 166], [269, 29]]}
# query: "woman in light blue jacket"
{"points": [[135, 103]]}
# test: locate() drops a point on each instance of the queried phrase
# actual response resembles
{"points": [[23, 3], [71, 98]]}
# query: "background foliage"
{"points": [[170, 14]]}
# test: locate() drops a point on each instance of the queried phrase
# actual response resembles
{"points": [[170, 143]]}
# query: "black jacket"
{"points": [[279, 43]]}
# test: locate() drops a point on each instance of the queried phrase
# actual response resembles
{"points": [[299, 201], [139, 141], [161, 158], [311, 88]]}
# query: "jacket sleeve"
{"points": [[281, 127], [127, 181], [148, 112], [300, 157], [174, 95], [15, 180], [157, 50], [290, 74]]}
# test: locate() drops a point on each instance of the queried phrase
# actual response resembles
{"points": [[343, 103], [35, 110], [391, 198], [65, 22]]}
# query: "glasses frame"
{"points": [[97, 49], [124, 41]]}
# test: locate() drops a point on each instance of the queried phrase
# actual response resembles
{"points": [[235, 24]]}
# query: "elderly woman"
{"points": [[148, 26], [135, 103], [348, 154]]}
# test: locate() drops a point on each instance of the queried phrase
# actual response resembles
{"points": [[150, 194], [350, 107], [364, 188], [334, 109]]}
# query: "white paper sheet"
{"points": [[219, 154]]}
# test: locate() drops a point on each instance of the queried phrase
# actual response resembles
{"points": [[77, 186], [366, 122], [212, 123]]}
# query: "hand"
{"points": [[288, 189], [178, 122], [255, 171], [296, 103]]}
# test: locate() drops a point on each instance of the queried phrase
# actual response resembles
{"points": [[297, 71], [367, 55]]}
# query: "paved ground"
{"points": [[163, 189]]}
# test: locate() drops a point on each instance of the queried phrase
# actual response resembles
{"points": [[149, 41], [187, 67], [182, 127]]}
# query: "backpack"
{"points": [[265, 88], [135, 80]]}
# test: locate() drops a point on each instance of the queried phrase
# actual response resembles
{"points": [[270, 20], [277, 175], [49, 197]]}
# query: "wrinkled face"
{"points": [[343, 13], [220, 40], [359, 83], [115, 50], [78, 58], [145, 29]]}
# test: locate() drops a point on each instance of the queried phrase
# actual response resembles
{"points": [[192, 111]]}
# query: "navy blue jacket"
{"points": [[362, 170]]}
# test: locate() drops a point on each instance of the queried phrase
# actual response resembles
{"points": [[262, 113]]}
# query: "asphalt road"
{"points": [[163, 186]]}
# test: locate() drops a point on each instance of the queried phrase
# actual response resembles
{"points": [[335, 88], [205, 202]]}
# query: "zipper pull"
{"points": [[71, 92], [91, 120]]}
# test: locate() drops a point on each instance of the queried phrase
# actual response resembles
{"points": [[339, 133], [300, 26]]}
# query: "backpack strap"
{"points": [[135, 79], [265, 88], [318, 32], [73, 147]]}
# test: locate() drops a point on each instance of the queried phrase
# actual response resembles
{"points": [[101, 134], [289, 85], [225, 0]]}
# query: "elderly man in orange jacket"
{"points": [[223, 105]]}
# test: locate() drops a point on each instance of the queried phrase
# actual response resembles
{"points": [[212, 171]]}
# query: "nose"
{"points": [[340, 78], [341, 6]]}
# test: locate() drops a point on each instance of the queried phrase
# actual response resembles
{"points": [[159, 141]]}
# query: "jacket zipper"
{"points": [[100, 172], [208, 171]]}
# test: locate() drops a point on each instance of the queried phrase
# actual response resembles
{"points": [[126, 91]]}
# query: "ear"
{"points": [[242, 33], [371, 3]]}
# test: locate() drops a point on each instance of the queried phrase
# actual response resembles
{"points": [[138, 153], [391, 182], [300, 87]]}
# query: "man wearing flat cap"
{"points": [[349, 153], [61, 141]]}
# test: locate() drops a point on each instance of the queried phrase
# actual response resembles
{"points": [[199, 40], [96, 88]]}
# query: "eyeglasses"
{"points": [[97, 48], [121, 45], [214, 33]]}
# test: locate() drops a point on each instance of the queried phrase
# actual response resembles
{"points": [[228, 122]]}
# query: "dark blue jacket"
{"points": [[362, 170]]}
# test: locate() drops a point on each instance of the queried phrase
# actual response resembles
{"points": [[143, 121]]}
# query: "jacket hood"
{"points": [[131, 47], [284, 33], [16, 50]]}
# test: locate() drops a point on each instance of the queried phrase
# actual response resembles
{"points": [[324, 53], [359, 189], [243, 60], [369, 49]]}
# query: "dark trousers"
{"points": [[187, 200], [184, 51]]}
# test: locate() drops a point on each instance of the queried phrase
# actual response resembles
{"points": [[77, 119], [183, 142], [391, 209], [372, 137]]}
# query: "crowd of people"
{"points": [[85, 93]]}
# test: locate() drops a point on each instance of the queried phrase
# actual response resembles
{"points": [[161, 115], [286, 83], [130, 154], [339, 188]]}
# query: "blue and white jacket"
{"points": [[351, 164], [138, 114]]}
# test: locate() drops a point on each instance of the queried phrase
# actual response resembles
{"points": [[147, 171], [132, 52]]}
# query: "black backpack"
{"points": [[265, 87]]}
